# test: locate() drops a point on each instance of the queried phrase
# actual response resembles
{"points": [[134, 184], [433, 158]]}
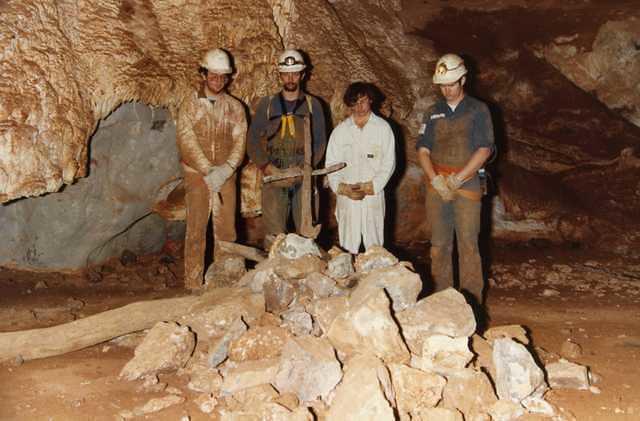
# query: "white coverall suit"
{"points": [[369, 153]]}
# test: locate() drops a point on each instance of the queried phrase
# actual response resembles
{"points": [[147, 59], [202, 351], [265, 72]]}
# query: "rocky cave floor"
{"points": [[556, 293]]}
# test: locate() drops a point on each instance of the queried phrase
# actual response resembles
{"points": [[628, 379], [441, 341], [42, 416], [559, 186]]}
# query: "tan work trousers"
{"points": [[462, 216], [198, 211]]}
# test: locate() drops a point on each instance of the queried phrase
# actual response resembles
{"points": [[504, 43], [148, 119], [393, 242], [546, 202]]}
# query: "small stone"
{"points": [[41, 285], [443, 313], [368, 326], [260, 342], [361, 395], [517, 375], [570, 350], [300, 267], [321, 285], [249, 374], [415, 389], [340, 266], [443, 355], [166, 347], [506, 410], [298, 322], [436, 414], [309, 368], [548, 292], [515, 332], [595, 390], [256, 395], [205, 380], [402, 285], [206, 403], [325, 310], [158, 404], [219, 350], [293, 246], [278, 294], [375, 257], [567, 375]]}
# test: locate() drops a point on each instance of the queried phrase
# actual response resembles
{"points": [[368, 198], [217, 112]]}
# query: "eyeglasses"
{"points": [[290, 61]]}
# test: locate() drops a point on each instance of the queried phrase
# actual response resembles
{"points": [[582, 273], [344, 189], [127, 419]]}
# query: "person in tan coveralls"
{"points": [[211, 136]]}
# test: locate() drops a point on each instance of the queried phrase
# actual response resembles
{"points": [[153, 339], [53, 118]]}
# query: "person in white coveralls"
{"points": [[365, 142]]}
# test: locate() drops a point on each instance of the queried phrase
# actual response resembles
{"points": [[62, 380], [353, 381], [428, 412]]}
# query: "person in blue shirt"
{"points": [[455, 140]]}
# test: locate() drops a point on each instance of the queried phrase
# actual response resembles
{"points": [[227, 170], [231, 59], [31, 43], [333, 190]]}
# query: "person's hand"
{"points": [[352, 191], [440, 185], [271, 169], [454, 181], [367, 188], [217, 176]]}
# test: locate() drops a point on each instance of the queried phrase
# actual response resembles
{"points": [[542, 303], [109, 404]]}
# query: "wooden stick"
{"points": [[307, 228], [57, 340], [297, 172], [247, 252]]}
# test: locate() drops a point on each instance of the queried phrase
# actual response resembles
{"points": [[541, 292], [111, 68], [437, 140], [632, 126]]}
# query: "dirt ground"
{"points": [[557, 294]]}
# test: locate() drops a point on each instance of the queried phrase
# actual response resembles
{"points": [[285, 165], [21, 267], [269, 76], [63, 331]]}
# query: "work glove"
{"points": [[440, 185], [454, 181], [367, 188], [217, 176], [352, 191]]}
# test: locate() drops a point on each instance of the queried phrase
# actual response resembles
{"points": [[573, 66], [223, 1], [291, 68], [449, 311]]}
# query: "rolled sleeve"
{"points": [[482, 135], [425, 140]]}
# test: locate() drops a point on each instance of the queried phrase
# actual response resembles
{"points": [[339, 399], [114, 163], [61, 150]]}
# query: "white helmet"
{"points": [[449, 68], [217, 61], [291, 61]]}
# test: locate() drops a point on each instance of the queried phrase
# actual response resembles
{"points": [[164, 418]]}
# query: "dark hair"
{"points": [[203, 71], [359, 89]]}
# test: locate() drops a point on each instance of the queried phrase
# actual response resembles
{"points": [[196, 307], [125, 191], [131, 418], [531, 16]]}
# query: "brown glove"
{"points": [[352, 191]]}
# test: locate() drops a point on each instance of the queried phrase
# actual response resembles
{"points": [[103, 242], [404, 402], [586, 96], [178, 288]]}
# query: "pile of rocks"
{"points": [[312, 335]]}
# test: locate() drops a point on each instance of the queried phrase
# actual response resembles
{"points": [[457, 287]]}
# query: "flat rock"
{"points": [[340, 266], [376, 257], [153, 405], [402, 285], [321, 285], [367, 326], [309, 368], [515, 332], [360, 395], [224, 306], [166, 347], [278, 294], [255, 396], [436, 414], [415, 389], [443, 355], [299, 268], [260, 342], [470, 392], [484, 354], [325, 310], [293, 246], [267, 412], [517, 375], [567, 375], [506, 410], [258, 276], [443, 313], [219, 349], [205, 380], [297, 321], [249, 374]]}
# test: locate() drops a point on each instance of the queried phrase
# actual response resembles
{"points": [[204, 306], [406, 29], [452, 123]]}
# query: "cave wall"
{"points": [[133, 154], [565, 110]]}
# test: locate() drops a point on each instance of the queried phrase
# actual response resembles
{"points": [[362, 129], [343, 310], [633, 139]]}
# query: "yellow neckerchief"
{"points": [[287, 121]]}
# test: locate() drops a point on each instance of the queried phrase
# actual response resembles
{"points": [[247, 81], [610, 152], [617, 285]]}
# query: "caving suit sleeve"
{"points": [[238, 134], [190, 150]]}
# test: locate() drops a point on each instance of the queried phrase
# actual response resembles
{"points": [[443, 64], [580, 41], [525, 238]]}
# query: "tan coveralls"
{"points": [[208, 134]]}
